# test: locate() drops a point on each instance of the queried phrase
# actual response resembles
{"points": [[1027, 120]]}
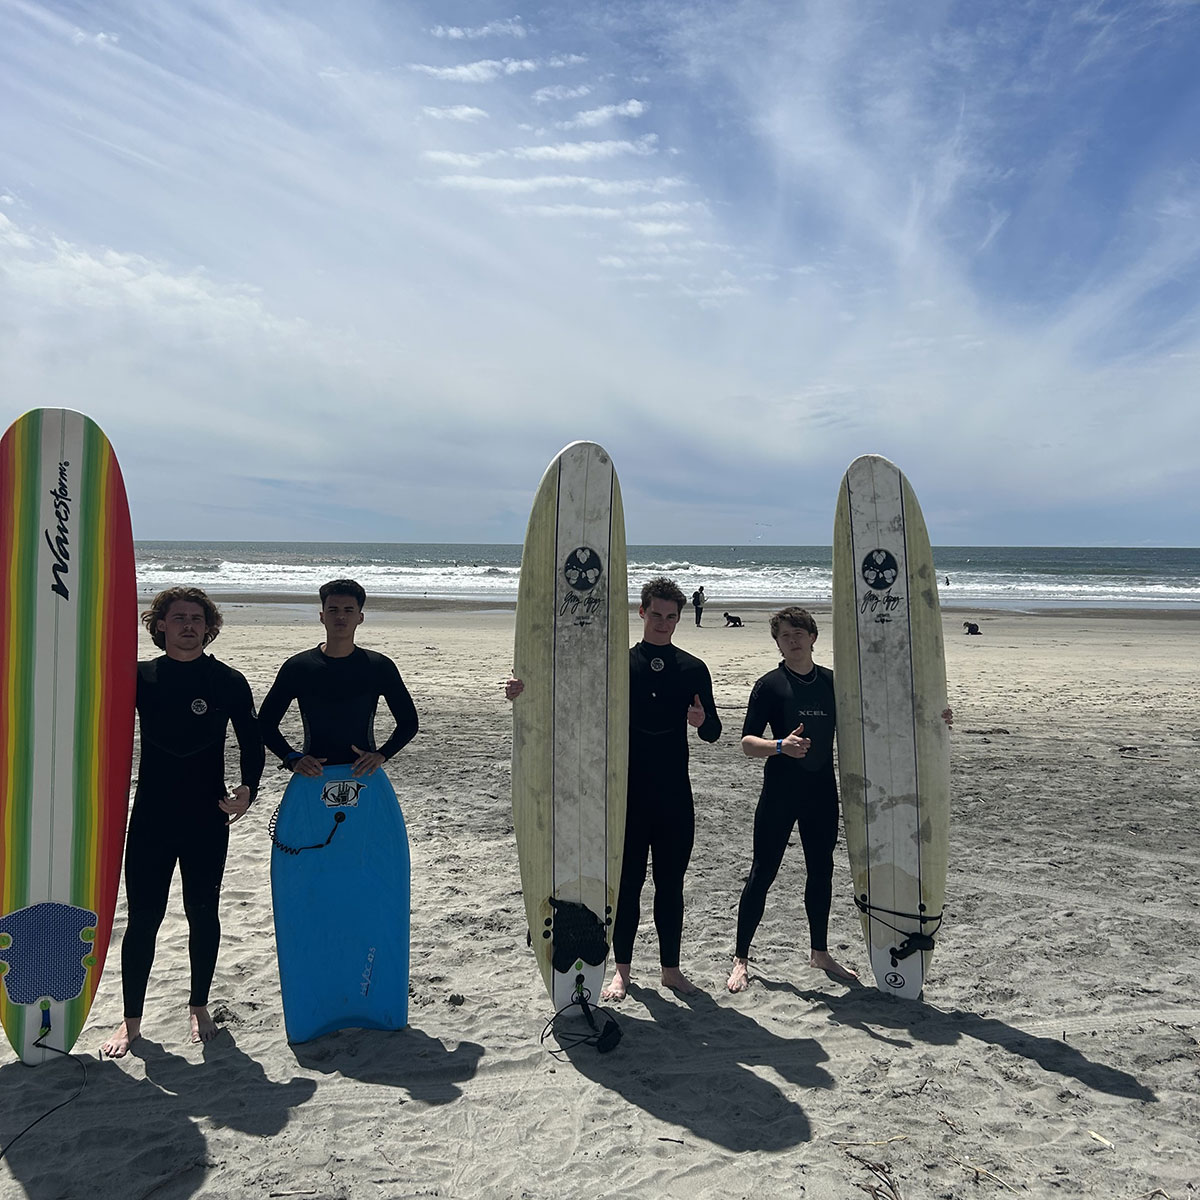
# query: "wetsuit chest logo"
{"points": [[657, 664], [199, 707]]}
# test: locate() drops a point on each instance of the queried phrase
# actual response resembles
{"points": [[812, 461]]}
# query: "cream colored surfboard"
{"points": [[893, 746], [571, 723]]}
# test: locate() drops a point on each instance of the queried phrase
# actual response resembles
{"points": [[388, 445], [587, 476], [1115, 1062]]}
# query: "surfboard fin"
{"points": [[914, 943]]}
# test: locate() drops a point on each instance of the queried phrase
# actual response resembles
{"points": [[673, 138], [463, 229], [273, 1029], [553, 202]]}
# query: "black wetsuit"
{"points": [[338, 698], [184, 709], [660, 819], [798, 792]]}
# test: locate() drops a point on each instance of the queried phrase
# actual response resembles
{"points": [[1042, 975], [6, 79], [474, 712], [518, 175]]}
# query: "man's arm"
{"points": [[710, 728], [278, 700], [250, 746], [392, 689]]}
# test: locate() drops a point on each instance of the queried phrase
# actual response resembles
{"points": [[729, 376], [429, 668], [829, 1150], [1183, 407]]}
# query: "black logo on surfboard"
{"points": [[60, 543], [341, 793], [879, 570], [583, 569]]}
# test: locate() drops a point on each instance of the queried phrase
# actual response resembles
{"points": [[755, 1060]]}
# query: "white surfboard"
{"points": [[893, 746], [571, 723]]}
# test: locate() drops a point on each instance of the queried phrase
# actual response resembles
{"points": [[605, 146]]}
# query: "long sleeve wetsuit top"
{"points": [[660, 817], [184, 709], [338, 698], [663, 681]]}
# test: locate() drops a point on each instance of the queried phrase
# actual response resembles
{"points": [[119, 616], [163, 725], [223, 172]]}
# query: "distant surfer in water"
{"points": [[670, 691], [796, 700], [181, 809], [338, 686]]}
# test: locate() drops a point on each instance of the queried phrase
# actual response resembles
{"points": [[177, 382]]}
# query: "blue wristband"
{"points": [[779, 746]]}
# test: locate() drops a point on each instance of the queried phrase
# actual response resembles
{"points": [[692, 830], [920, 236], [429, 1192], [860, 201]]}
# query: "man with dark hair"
{"points": [[338, 686], [181, 808], [670, 691], [796, 700]]}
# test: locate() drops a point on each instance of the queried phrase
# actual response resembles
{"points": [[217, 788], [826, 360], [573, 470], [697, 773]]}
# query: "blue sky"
{"points": [[358, 271]]}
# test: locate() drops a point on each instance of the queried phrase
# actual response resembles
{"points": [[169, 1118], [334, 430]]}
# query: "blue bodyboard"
{"points": [[340, 890]]}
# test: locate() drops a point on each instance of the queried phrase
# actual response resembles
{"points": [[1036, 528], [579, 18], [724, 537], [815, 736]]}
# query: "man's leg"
{"points": [[818, 835], [671, 850], [629, 896], [773, 821], [201, 869], [149, 865]]}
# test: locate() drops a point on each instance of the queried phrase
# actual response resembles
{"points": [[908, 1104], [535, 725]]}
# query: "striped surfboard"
{"points": [[68, 671]]}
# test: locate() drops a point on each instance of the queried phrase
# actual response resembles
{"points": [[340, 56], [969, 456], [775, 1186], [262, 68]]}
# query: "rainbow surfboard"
{"points": [[68, 675]]}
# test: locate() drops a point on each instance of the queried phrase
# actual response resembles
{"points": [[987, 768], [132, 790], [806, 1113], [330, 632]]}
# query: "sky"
{"points": [[358, 271]]}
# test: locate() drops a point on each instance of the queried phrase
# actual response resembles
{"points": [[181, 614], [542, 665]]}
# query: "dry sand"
{"points": [[1056, 1055]]}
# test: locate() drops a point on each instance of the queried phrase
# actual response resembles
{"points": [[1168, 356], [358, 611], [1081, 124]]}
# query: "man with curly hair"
{"points": [[182, 810]]}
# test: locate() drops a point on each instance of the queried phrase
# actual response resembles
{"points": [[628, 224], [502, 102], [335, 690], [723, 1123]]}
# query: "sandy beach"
{"points": [[1056, 1053]]}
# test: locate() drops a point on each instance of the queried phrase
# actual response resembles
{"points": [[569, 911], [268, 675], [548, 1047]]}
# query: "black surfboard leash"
{"points": [[38, 1044], [603, 1034], [338, 818]]}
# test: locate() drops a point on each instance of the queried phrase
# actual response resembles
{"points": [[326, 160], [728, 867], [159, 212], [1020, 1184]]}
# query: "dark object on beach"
{"points": [[971, 627], [730, 619]]}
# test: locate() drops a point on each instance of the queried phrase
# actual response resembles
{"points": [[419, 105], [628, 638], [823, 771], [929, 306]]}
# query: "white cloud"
{"points": [[510, 28], [659, 228], [486, 70], [560, 91], [456, 112], [573, 210], [601, 116], [587, 151], [541, 183], [96, 39]]}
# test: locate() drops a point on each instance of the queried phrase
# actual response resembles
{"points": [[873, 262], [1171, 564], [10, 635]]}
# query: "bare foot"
{"points": [[125, 1035], [619, 988], [822, 960], [204, 1028], [739, 977], [677, 981]]}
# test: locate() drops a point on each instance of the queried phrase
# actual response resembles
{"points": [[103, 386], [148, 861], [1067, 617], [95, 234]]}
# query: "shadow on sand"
{"points": [[402, 1058], [869, 1010], [227, 1087], [698, 1069]]}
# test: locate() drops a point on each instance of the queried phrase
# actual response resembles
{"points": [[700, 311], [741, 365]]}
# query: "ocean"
{"points": [[1007, 577]]}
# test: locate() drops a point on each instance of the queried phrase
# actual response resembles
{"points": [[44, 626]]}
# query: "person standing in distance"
{"points": [[338, 686], [182, 809], [670, 692], [698, 601]]}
